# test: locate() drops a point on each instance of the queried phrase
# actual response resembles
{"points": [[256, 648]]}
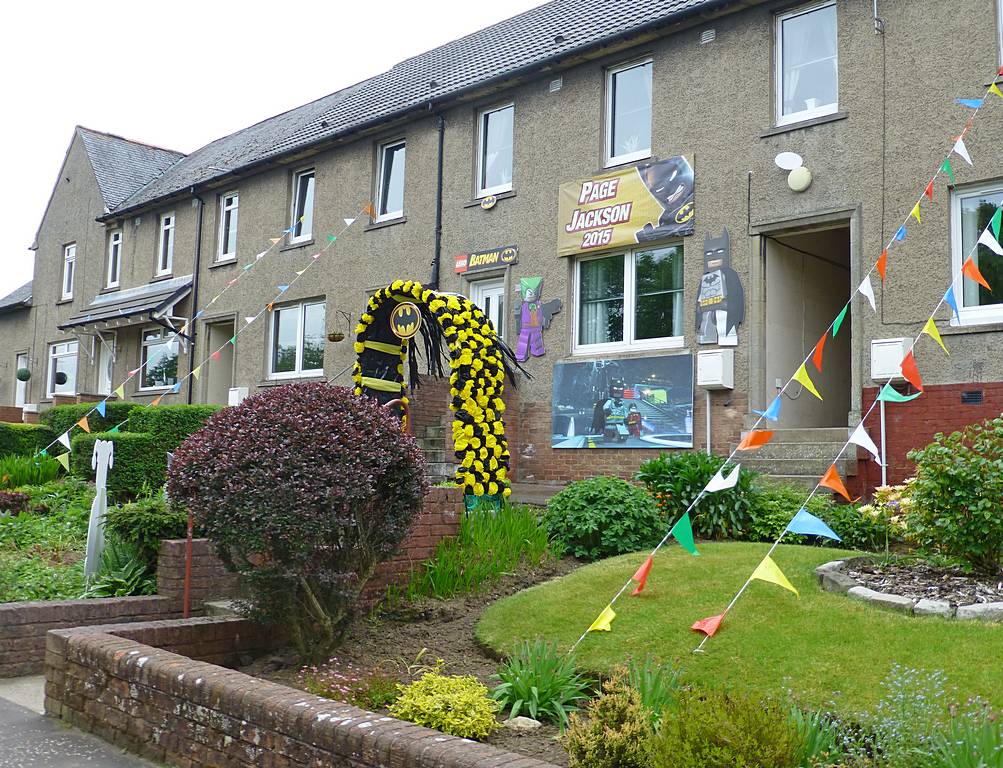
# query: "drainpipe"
{"points": [[433, 281], [195, 287]]}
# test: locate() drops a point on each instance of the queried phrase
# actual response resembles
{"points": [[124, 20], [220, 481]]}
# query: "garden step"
{"points": [[801, 481], [435, 431], [220, 608], [775, 450], [432, 443], [797, 465], [440, 469], [434, 456], [807, 434]]}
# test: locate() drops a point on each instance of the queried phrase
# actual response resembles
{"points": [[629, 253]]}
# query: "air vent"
{"points": [[556, 85], [137, 221], [708, 36], [972, 397]]}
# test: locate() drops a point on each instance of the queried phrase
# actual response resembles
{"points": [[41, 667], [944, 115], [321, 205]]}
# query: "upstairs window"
{"points": [[69, 267], [297, 347], [972, 209], [628, 113], [494, 155], [302, 212], [114, 259], [227, 226], [807, 77], [165, 252], [390, 193]]}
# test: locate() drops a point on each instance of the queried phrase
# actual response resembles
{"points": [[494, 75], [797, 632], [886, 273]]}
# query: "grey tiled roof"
{"points": [[530, 40], [123, 166], [17, 299]]}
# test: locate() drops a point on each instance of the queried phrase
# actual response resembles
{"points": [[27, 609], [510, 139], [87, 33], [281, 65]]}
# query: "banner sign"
{"points": [[651, 201], [482, 260]]}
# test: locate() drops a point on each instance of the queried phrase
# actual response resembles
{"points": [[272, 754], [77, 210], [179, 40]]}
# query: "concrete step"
{"points": [[801, 481], [797, 466], [808, 434], [435, 431], [820, 451], [220, 608], [435, 456], [433, 443], [440, 469]]}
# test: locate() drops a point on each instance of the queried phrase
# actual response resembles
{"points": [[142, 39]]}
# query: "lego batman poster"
{"points": [[643, 203], [721, 298], [644, 402]]}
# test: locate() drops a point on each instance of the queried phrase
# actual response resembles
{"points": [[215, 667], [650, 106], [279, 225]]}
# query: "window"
{"points": [[390, 194], [106, 364], [494, 150], [20, 387], [489, 295], [630, 300], [628, 113], [159, 360], [62, 378], [227, 226], [302, 212], [297, 340], [807, 77], [165, 253], [114, 259], [69, 267], [971, 211]]}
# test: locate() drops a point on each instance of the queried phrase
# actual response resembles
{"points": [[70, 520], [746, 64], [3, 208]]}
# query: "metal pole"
{"points": [[884, 454], [186, 597], [710, 452]]}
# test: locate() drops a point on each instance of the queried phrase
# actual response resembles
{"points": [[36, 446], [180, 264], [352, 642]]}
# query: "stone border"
{"points": [[832, 577]]}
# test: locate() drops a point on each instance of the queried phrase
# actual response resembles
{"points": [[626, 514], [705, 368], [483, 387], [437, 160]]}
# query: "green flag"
{"points": [[114, 429], [839, 319], [996, 222], [946, 168], [683, 533], [890, 395]]}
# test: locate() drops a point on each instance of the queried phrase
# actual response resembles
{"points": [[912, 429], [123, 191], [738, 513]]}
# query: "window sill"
{"points": [[64, 301], [289, 379], [973, 326], [224, 262], [152, 391], [618, 162], [109, 289], [297, 244], [159, 278], [810, 123], [673, 344], [475, 203], [385, 223]]}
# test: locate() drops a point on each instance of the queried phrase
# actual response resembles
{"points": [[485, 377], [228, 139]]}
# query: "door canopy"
{"points": [[479, 361]]}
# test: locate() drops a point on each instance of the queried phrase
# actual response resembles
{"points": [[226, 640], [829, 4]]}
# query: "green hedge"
{"points": [[62, 417], [170, 424], [137, 460], [24, 439]]}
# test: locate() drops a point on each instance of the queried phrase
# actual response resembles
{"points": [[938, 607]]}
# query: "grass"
{"points": [[827, 649]]}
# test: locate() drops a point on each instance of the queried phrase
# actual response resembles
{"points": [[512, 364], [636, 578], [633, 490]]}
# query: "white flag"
{"points": [[961, 149], [349, 222], [721, 483], [65, 440], [868, 290], [987, 239], [861, 438], [248, 320]]}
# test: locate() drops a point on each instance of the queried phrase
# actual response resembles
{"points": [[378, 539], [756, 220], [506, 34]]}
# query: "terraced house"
{"points": [[661, 204]]}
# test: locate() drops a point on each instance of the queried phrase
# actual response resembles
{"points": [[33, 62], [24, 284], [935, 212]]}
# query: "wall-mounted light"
{"points": [[798, 176]]}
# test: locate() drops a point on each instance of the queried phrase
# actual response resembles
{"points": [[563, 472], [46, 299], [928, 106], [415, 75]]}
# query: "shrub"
{"points": [[66, 498], [959, 484], [615, 730], [713, 729], [17, 471], [24, 439], [14, 502], [657, 684], [304, 489], [62, 417], [603, 516], [123, 573], [539, 680], [170, 424], [342, 681], [676, 479], [138, 465], [27, 577], [144, 522], [455, 704]]}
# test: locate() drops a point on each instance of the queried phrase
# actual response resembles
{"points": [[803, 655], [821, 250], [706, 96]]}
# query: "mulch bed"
{"points": [[438, 629], [918, 580]]}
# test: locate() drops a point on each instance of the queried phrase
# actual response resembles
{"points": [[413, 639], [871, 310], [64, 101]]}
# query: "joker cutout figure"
{"points": [[532, 317]]}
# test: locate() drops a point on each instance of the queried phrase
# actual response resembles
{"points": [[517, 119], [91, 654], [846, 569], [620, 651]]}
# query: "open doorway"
{"points": [[220, 372], [807, 284]]}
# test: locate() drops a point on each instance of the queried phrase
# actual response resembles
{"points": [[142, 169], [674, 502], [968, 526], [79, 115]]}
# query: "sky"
{"points": [[142, 70]]}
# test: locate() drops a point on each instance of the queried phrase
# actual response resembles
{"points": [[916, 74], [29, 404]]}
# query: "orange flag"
{"points": [[911, 371], [816, 357], [84, 425], [929, 189], [641, 576], [969, 270], [831, 479], [882, 264], [156, 400], [709, 625], [369, 210], [755, 439]]}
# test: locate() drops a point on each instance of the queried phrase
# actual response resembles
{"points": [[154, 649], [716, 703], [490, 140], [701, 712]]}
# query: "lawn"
{"points": [[828, 649]]}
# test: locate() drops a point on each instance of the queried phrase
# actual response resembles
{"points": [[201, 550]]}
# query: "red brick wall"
{"points": [[10, 414], [210, 578]]}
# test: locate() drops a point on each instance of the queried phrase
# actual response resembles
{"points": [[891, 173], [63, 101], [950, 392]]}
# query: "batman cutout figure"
{"points": [[670, 182], [721, 299]]}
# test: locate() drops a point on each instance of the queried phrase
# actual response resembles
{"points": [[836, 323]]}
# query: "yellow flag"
{"points": [[196, 371], [930, 329], [603, 620], [995, 89], [768, 571], [83, 424], [64, 459], [120, 392], [915, 213], [802, 377]]}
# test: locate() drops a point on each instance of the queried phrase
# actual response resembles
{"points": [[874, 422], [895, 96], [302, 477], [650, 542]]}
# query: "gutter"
{"points": [[196, 273]]}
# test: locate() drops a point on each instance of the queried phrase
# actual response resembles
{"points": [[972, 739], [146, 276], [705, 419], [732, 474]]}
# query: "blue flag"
{"points": [[101, 408], [952, 301], [773, 412], [176, 388], [283, 288], [973, 103], [807, 524], [900, 235]]}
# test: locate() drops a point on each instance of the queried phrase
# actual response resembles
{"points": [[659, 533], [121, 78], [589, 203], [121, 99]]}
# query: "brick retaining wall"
{"points": [[122, 684]]}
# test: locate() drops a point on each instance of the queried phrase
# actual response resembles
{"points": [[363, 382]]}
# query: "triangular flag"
{"points": [[720, 482], [270, 306], [315, 256], [120, 392], [332, 238], [839, 320], [156, 400], [861, 438], [831, 479], [249, 319], [64, 459], [901, 233], [962, 150], [260, 256], [773, 412], [641, 576], [283, 288], [248, 265], [755, 439], [215, 356], [995, 89], [300, 272], [233, 340], [930, 329], [889, 394], [43, 452], [115, 429], [915, 213], [969, 270], [802, 378], [101, 408], [84, 424], [816, 356], [911, 371], [990, 242], [806, 524], [349, 222], [995, 222], [134, 371], [603, 620], [952, 301], [882, 264], [369, 210], [768, 570], [176, 388], [196, 372], [274, 240], [231, 282], [867, 290], [929, 189], [709, 625], [292, 227], [973, 103], [946, 168], [65, 440], [682, 532]]}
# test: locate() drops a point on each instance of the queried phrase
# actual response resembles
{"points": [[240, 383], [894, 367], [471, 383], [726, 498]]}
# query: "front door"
{"points": [[489, 295], [20, 387], [219, 372]]}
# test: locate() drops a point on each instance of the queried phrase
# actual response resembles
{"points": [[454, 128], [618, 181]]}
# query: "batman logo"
{"points": [[405, 320], [685, 213]]}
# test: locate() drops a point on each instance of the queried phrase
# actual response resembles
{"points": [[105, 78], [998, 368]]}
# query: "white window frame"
{"points": [[21, 387], [144, 357], [51, 369], [165, 255], [492, 286], [233, 208], [999, 31], [299, 372], [778, 68], [629, 308], [294, 213], [609, 158], [482, 117], [992, 313], [106, 347], [381, 154], [69, 270], [114, 265]]}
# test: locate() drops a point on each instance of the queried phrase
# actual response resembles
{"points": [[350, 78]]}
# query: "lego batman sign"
{"points": [[721, 298], [643, 203], [405, 320]]}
